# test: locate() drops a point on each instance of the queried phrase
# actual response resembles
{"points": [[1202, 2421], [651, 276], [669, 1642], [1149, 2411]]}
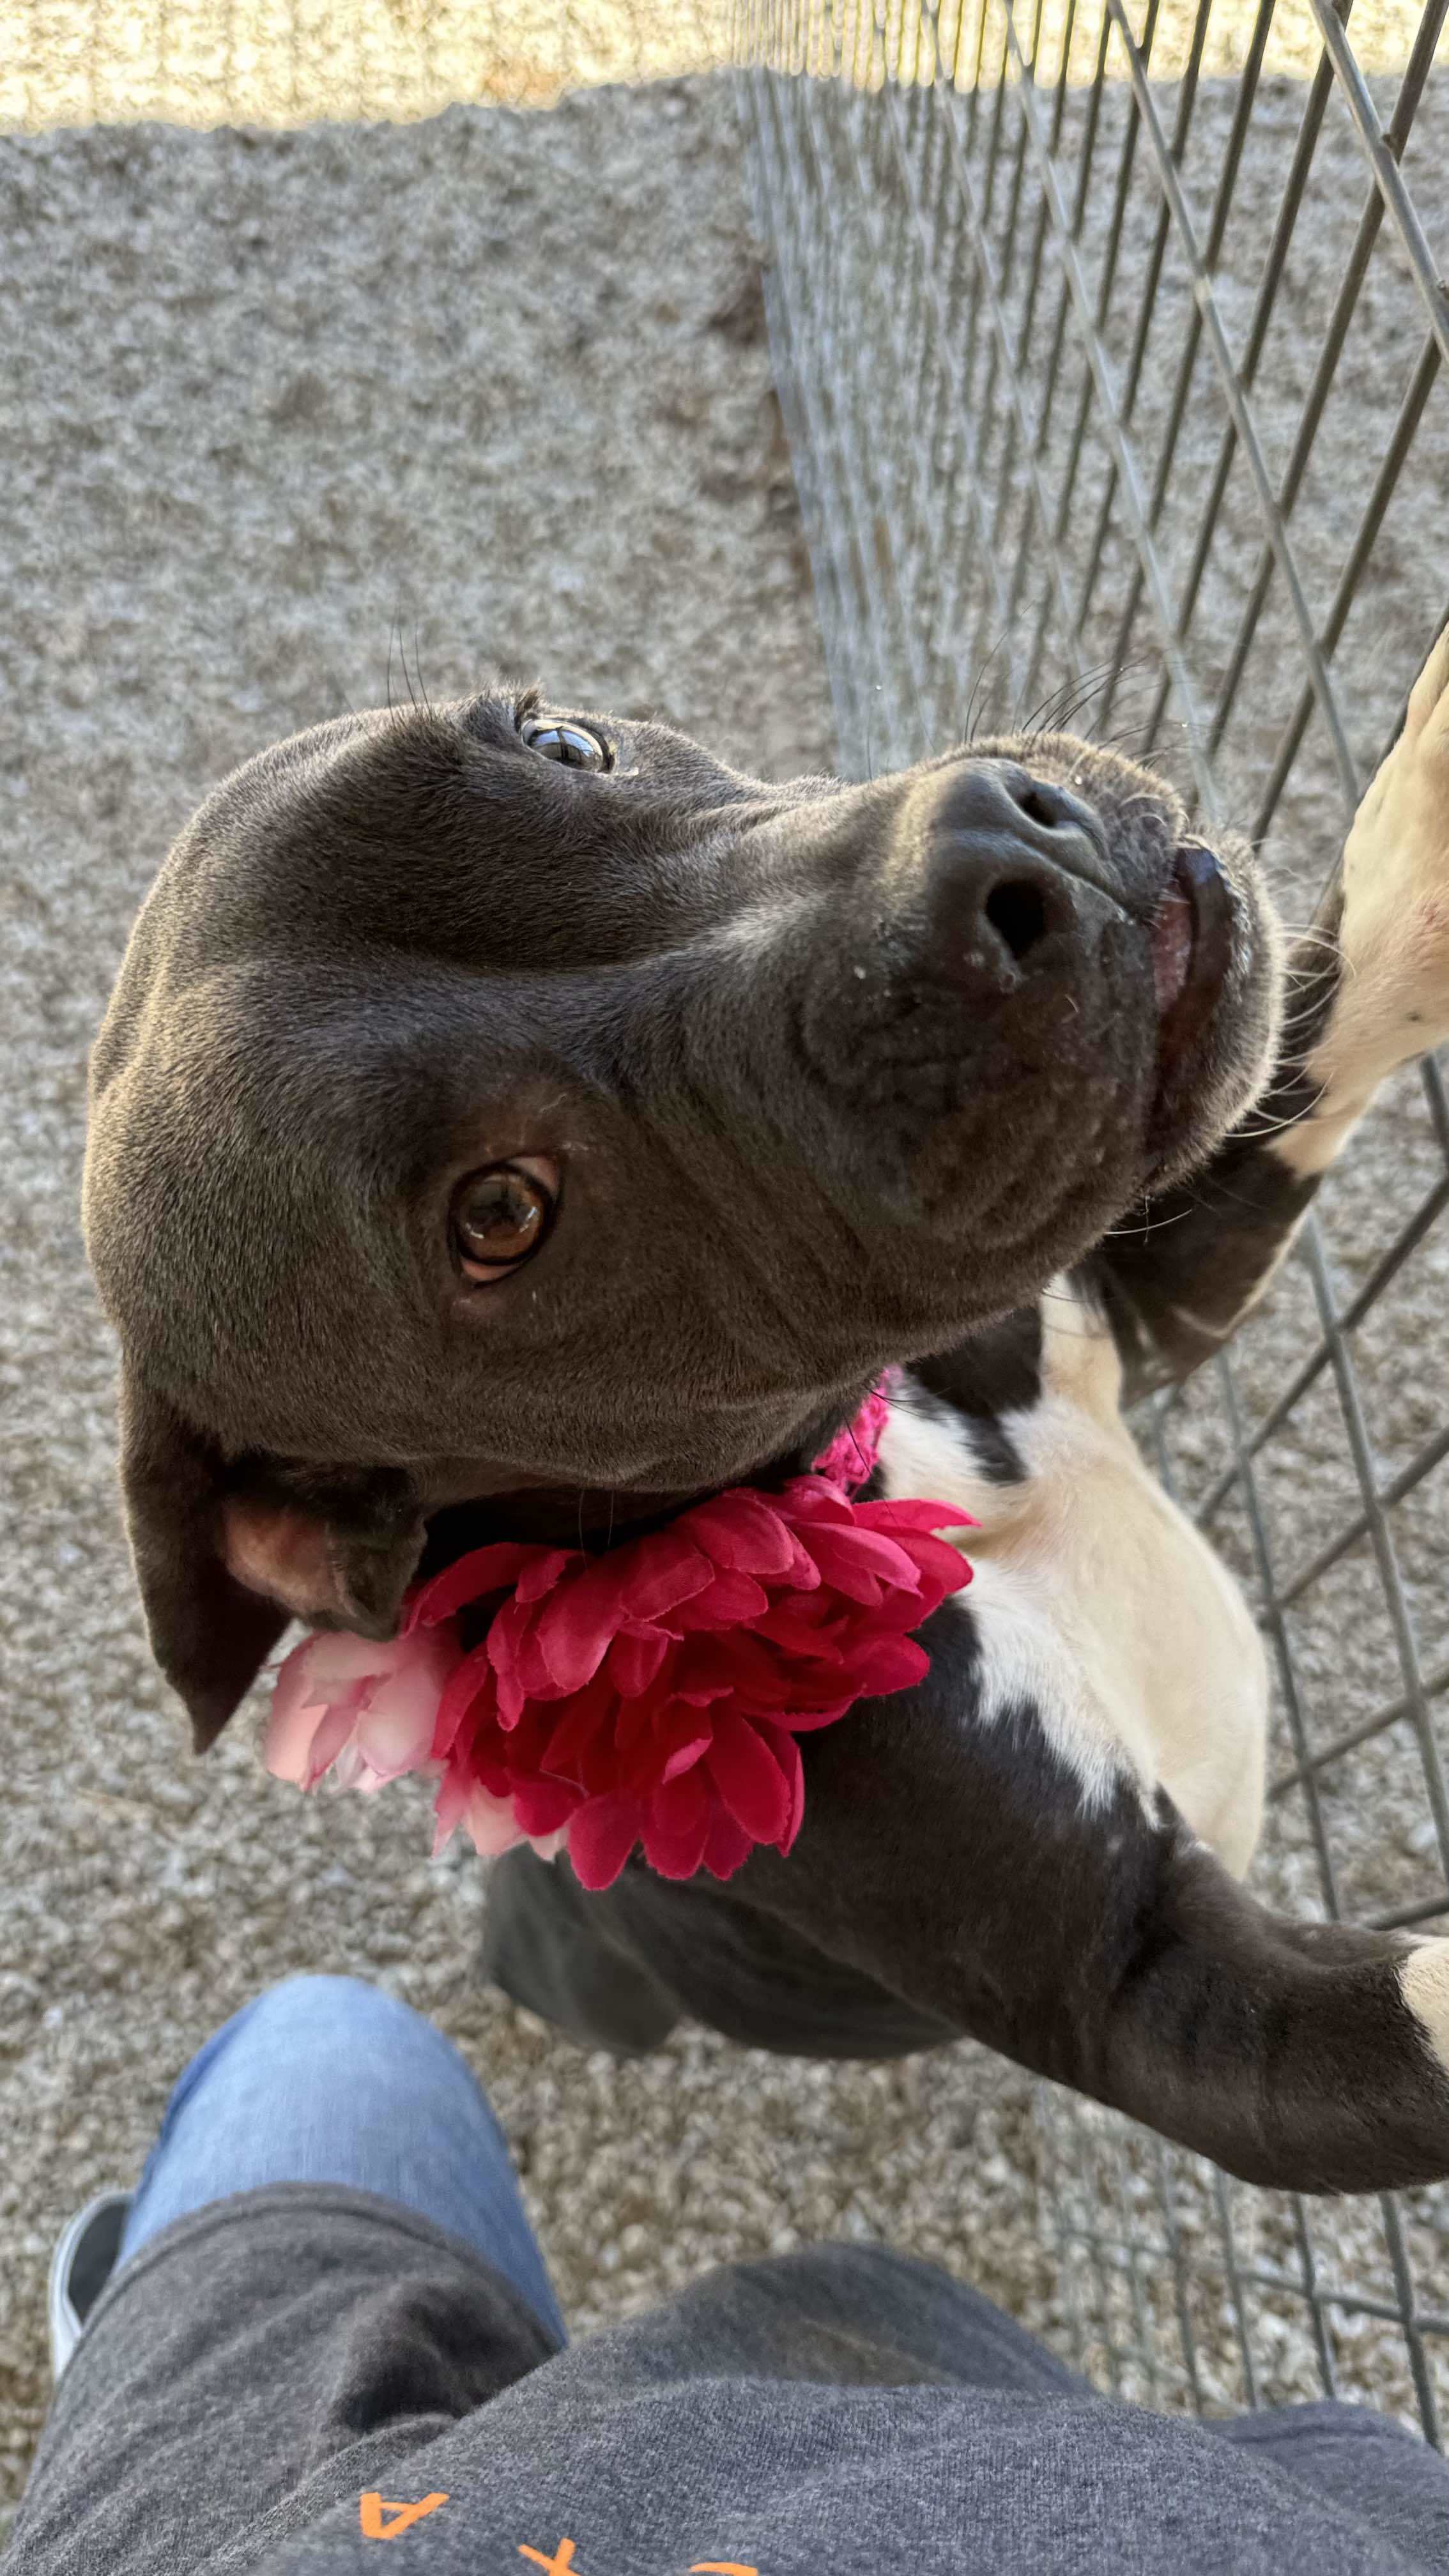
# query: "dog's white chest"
{"points": [[1095, 1597]]}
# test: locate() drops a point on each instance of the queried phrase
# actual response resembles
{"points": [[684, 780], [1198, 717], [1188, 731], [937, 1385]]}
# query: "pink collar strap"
{"points": [[650, 1696]]}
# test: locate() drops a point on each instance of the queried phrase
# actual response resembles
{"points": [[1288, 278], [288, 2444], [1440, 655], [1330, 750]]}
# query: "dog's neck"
{"points": [[601, 1517]]}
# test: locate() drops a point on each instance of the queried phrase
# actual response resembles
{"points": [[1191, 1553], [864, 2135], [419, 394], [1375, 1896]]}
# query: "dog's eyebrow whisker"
{"points": [[418, 667], [402, 655]]}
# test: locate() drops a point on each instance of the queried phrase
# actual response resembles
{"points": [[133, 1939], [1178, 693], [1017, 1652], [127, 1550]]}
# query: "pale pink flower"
{"points": [[363, 1711]]}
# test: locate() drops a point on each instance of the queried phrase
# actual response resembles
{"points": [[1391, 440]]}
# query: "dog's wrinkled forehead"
{"points": [[393, 948], [441, 832]]}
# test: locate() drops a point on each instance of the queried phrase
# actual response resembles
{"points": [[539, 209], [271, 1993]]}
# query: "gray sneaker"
{"points": [[82, 2264]]}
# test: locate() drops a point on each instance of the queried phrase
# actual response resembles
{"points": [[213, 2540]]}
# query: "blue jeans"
{"points": [[327, 2080]]}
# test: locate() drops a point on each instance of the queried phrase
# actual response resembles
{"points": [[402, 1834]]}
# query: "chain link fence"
{"points": [[1110, 335]]}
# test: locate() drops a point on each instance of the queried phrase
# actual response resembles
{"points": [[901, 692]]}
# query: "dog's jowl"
{"points": [[511, 1124]]}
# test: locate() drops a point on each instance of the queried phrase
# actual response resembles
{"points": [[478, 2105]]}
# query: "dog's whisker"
{"points": [[980, 682], [1150, 1225], [418, 667], [1066, 702]]}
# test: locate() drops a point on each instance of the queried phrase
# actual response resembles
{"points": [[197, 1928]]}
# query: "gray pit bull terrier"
{"points": [[511, 1122]]}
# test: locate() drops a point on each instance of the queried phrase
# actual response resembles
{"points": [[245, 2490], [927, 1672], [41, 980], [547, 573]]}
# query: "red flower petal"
{"points": [[540, 1577], [634, 1736], [676, 1826], [586, 1722], [940, 1567], [712, 1673], [726, 1845], [481, 1571], [748, 1777], [661, 1570], [469, 1682], [541, 1806], [787, 1753], [509, 1642], [803, 1627], [731, 1601], [578, 1625], [601, 1837], [808, 1500], [908, 1514], [887, 1664], [859, 1561], [688, 1750], [742, 1534], [803, 1574], [804, 1721], [634, 1660]]}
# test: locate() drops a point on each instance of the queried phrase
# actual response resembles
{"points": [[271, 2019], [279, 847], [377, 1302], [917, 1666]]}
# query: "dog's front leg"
{"points": [[960, 1857], [1368, 990]]}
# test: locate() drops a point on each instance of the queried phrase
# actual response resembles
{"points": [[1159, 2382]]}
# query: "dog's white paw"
{"points": [[1392, 1001], [1395, 932]]}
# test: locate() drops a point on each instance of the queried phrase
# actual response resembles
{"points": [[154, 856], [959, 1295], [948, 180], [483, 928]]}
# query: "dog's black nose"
{"points": [[1009, 860]]}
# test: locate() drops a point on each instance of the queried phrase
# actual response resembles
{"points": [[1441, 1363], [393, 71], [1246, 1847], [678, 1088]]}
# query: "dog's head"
{"points": [[511, 1121]]}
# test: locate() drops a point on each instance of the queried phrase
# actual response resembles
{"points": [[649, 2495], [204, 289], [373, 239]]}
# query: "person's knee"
{"points": [[326, 2014], [313, 1997], [317, 2022]]}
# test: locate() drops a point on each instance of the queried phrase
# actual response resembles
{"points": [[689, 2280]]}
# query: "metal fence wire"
{"points": [[1109, 335]]}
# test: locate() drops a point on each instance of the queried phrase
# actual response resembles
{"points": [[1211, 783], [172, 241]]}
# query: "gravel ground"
{"points": [[497, 380]]}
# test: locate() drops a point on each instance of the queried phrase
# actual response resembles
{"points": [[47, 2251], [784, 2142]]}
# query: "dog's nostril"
{"points": [[1017, 913], [1048, 807]]}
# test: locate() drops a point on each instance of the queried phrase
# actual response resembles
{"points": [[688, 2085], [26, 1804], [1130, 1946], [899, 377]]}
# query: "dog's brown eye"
{"points": [[499, 1217], [571, 744]]}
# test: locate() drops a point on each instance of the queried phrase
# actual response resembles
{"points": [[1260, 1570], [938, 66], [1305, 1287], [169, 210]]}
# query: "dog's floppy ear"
{"points": [[221, 1574], [209, 1633]]}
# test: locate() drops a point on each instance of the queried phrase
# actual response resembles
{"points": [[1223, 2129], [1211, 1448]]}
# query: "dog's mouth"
{"points": [[1192, 948]]}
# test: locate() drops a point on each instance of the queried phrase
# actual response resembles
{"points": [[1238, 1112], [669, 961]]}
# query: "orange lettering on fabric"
{"points": [[721, 2567], [372, 2507], [562, 2564]]}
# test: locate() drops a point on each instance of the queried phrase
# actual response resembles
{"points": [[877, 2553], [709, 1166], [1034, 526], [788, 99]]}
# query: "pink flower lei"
{"points": [[652, 1695]]}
